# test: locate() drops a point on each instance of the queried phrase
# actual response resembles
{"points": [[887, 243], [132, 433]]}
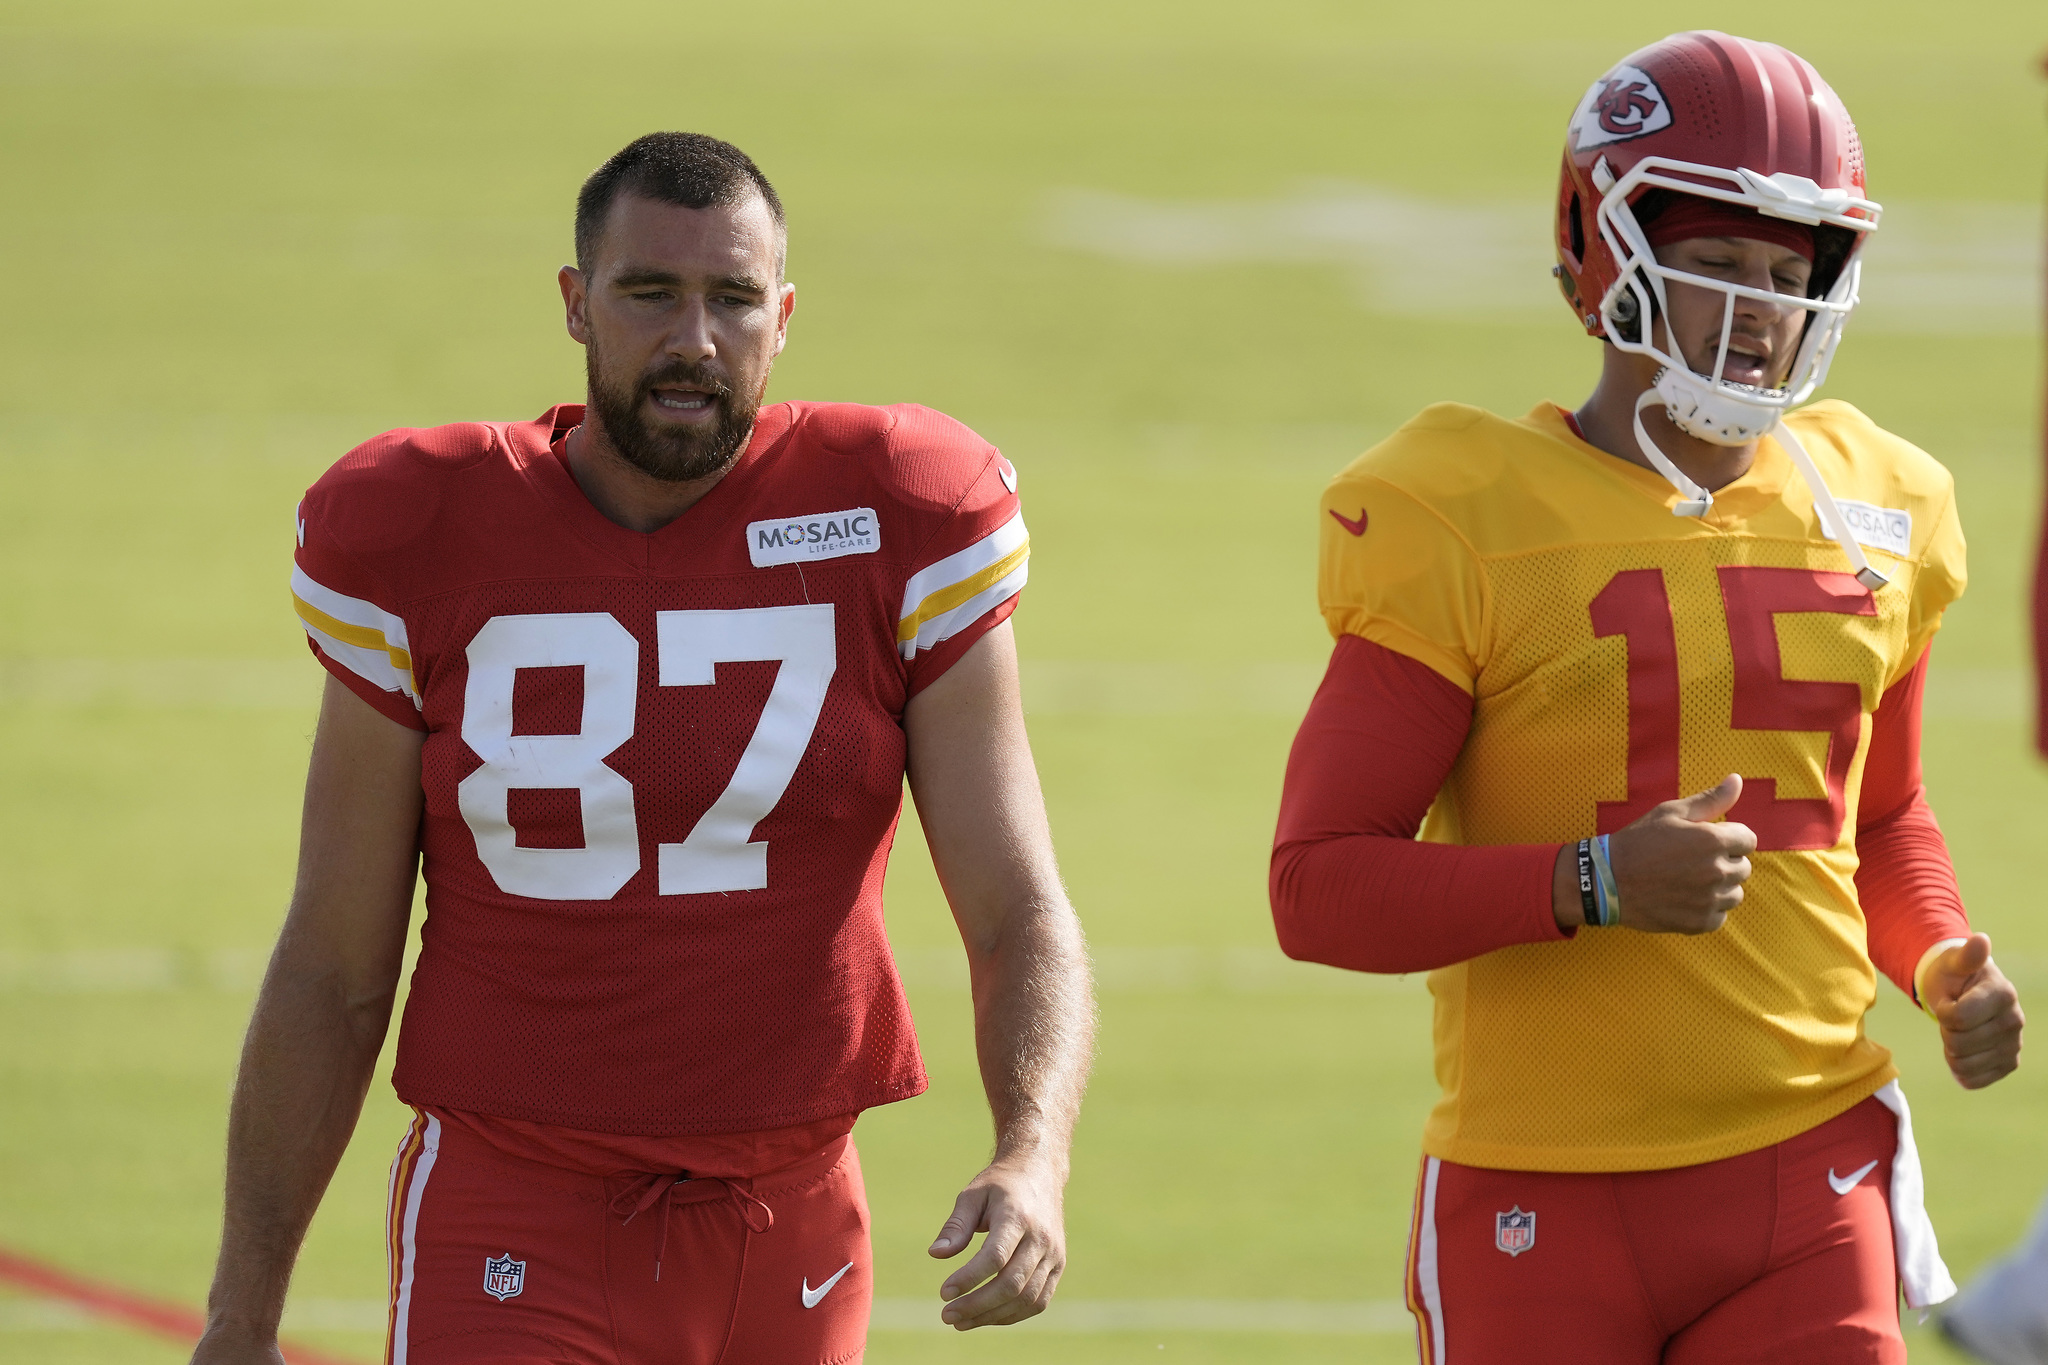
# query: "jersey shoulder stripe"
{"points": [[940, 599], [361, 636]]}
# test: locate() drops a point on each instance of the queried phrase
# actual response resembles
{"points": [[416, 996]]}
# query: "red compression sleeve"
{"points": [[1350, 884], [1904, 878]]}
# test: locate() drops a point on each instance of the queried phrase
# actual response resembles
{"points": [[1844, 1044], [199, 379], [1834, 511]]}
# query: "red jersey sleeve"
{"points": [[966, 575], [349, 614], [1350, 884], [1904, 878]]}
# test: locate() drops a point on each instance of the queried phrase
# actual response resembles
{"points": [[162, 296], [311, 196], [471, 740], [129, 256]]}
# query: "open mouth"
{"points": [[1745, 364], [683, 401]]}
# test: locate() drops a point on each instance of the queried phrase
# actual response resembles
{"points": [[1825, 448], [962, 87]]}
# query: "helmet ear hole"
{"points": [[1627, 311], [1626, 316], [1578, 229]]}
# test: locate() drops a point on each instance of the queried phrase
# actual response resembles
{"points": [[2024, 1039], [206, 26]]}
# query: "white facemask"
{"points": [[1711, 407]]}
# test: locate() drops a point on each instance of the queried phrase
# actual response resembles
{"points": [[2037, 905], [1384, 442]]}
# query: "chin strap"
{"points": [[1698, 501], [1831, 519]]}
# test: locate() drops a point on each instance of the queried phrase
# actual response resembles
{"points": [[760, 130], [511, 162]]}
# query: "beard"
{"points": [[671, 454]]}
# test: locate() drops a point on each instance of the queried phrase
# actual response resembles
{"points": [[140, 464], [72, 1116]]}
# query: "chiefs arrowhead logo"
{"points": [[1623, 104]]}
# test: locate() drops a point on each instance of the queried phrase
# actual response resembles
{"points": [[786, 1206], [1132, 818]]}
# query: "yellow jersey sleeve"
{"points": [[1395, 572], [1939, 583]]}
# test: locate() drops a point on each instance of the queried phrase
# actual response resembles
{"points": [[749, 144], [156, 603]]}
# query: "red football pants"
{"points": [[1755, 1258], [501, 1259]]}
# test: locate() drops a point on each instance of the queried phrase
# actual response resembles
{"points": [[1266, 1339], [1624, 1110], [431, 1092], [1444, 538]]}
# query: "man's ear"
{"points": [[575, 303], [782, 312]]}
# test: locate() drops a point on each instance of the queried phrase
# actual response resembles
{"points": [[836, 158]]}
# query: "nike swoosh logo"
{"points": [[1842, 1184], [814, 1297], [1356, 528]]}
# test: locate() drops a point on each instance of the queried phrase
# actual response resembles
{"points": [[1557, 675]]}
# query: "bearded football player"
{"points": [[1646, 676], [636, 686]]}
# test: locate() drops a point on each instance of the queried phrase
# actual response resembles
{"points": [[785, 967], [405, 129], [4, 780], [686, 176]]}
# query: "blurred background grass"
{"points": [[1181, 261]]}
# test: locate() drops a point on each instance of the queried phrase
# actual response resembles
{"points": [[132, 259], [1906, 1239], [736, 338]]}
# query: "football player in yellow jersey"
{"points": [[1663, 1134]]}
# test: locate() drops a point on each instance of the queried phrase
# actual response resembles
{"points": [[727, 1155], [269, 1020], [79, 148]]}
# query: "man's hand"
{"points": [[1018, 1205], [1678, 870], [1034, 1013], [1978, 1010]]}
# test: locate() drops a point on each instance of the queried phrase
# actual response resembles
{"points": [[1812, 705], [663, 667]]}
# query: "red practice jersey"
{"points": [[662, 772]]}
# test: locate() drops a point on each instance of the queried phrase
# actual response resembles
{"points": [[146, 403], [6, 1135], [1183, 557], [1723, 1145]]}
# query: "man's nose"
{"points": [[1762, 313], [691, 337]]}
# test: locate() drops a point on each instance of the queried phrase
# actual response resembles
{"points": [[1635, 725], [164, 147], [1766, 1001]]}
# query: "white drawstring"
{"points": [[1698, 501], [1831, 519]]}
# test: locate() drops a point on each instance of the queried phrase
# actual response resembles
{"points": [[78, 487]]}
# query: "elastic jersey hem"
{"points": [[1606, 1160]]}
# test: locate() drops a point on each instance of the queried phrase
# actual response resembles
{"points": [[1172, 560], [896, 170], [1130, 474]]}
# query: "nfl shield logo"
{"points": [[503, 1276], [1514, 1231]]}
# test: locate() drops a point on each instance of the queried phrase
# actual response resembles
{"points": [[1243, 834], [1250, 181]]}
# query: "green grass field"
{"points": [[241, 236]]}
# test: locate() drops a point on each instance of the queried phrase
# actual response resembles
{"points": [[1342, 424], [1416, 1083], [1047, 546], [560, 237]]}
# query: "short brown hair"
{"points": [[686, 169]]}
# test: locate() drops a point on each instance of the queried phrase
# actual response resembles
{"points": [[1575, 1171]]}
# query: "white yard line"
{"points": [[1057, 687], [129, 971], [1242, 970], [1296, 1316], [1978, 693], [202, 684], [1052, 687], [1291, 1316], [1933, 268]]}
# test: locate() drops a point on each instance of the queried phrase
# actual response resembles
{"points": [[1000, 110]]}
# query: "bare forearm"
{"points": [[1034, 1015], [305, 1067], [1034, 1018], [321, 1016]]}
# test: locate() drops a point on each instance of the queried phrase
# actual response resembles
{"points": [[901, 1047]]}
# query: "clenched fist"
{"points": [[1978, 1010], [1677, 870]]}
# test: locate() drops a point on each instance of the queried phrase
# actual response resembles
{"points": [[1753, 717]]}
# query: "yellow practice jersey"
{"points": [[1619, 656]]}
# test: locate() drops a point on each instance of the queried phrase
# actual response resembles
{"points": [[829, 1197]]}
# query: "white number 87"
{"points": [[716, 855]]}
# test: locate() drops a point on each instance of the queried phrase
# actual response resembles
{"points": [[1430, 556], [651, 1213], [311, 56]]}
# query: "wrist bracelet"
{"points": [[1589, 883], [1608, 896]]}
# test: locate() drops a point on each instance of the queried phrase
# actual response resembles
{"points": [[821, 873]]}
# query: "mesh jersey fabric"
{"points": [[1618, 656], [631, 927]]}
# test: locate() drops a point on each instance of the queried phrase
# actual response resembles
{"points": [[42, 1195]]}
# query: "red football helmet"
{"points": [[1744, 123]]}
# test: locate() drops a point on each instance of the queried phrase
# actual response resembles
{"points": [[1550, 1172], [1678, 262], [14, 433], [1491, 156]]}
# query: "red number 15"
{"points": [[1635, 606]]}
